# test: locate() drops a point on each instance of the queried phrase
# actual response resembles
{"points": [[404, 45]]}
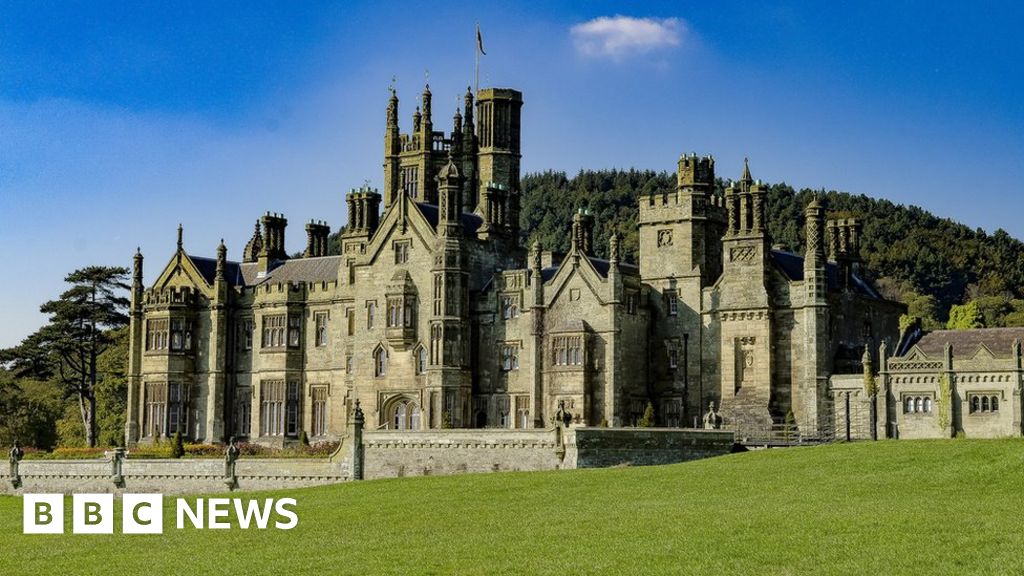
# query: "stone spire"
{"points": [[254, 246], [746, 178]]}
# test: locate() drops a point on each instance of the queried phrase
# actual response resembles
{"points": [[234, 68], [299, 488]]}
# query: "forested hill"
{"points": [[930, 263]]}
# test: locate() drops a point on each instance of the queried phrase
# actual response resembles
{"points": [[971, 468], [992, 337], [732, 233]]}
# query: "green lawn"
{"points": [[906, 507]]}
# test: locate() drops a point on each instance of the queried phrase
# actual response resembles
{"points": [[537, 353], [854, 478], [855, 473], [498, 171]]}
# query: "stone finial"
{"points": [[613, 248], [137, 266], [746, 178], [222, 256], [180, 234]]}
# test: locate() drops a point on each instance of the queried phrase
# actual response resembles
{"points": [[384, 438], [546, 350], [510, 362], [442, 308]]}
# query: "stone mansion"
{"points": [[434, 314]]}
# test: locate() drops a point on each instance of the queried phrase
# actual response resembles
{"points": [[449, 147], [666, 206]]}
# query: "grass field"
{"points": [[924, 507]]}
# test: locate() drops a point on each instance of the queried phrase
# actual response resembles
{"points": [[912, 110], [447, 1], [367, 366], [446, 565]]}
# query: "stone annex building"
{"points": [[435, 315]]}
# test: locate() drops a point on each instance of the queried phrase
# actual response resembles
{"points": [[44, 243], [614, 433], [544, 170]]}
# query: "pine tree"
{"points": [[80, 329]]}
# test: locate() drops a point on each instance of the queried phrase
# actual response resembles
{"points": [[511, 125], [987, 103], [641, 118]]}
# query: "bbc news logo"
{"points": [[144, 513]]}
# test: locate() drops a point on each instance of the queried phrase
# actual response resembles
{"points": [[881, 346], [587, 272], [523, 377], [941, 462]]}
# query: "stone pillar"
{"points": [[358, 420], [136, 337]]}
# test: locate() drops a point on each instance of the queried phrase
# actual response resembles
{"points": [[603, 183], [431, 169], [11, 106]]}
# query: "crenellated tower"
{"points": [[680, 254]]}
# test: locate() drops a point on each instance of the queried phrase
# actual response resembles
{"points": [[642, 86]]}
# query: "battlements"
{"points": [[696, 173], [694, 196]]}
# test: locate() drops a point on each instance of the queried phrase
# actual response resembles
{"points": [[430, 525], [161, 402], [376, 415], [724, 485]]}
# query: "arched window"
{"points": [[380, 362], [400, 413], [421, 360], [984, 403], [910, 405], [927, 404], [975, 404], [995, 404], [414, 417], [917, 404]]}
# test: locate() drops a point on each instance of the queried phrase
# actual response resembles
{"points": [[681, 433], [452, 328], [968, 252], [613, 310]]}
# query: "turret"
{"points": [[498, 132], [814, 256], [427, 126], [392, 150], [449, 184]]}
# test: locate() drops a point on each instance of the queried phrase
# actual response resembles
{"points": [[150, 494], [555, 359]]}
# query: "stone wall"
{"points": [[172, 476], [386, 454], [601, 447]]}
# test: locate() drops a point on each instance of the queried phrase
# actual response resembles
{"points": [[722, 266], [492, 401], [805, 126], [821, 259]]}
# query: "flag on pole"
{"points": [[480, 41]]}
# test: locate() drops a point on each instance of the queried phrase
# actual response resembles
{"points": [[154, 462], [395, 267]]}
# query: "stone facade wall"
{"points": [[386, 454]]}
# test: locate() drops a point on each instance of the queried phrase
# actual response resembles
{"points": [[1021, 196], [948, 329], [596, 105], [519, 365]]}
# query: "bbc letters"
{"points": [[144, 513]]}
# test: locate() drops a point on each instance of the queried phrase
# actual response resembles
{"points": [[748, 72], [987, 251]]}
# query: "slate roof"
{"points": [[471, 222], [208, 268], [600, 265], [324, 269], [792, 265], [999, 341]]}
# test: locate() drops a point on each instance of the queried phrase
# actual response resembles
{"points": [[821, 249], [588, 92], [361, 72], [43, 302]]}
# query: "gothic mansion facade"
{"points": [[434, 315]]}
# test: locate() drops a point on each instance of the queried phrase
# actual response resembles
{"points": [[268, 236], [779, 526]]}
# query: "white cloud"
{"points": [[618, 37]]}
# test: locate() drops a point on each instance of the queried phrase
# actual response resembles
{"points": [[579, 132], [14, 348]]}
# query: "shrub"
{"points": [[203, 450], [178, 446], [648, 419]]}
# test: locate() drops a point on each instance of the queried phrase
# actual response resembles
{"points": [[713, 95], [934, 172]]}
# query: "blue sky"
{"points": [[120, 120]]}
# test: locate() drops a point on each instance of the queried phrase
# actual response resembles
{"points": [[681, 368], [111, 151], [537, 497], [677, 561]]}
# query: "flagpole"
{"points": [[476, 52]]}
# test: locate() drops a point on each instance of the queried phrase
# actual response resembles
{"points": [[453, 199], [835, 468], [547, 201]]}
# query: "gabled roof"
{"points": [[471, 222], [966, 343], [792, 266], [600, 265]]}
